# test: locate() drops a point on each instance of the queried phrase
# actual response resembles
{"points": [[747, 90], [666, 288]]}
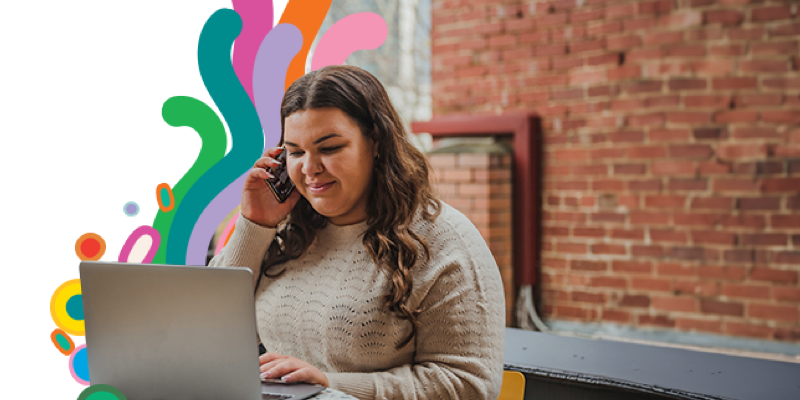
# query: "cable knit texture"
{"points": [[326, 310]]}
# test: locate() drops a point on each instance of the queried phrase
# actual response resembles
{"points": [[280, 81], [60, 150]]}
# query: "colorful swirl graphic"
{"points": [[247, 88]]}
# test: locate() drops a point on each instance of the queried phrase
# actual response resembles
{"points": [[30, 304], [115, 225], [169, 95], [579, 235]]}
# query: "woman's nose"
{"points": [[312, 165]]}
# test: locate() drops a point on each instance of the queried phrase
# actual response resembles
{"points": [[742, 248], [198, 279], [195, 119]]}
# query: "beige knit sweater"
{"points": [[326, 310]]}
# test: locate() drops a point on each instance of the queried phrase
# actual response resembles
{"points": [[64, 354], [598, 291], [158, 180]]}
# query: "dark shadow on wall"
{"points": [[539, 188]]}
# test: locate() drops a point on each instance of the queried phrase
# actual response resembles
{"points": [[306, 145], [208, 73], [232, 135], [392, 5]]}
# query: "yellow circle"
{"points": [[58, 308]]}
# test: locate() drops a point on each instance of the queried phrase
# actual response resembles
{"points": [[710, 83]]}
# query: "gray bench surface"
{"points": [[676, 373]]}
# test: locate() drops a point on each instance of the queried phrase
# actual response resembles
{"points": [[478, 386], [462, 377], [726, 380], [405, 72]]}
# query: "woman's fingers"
{"points": [[260, 173], [290, 369], [268, 158], [263, 164], [273, 151], [267, 357], [261, 167], [269, 363], [267, 366], [255, 179], [266, 162], [304, 374], [279, 368]]}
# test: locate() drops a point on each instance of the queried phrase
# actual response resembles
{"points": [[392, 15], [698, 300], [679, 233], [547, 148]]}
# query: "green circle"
{"points": [[101, 392], [75, 307], [102, 396]]}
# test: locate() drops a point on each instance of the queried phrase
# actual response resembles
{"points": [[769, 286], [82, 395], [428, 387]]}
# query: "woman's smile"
{"points": [[319, 187]]}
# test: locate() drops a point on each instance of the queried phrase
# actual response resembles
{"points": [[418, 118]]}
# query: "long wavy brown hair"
{"points": [[399, 187]]}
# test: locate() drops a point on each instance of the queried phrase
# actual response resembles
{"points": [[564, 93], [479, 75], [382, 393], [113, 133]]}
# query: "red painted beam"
{"points": [[524, 128]]}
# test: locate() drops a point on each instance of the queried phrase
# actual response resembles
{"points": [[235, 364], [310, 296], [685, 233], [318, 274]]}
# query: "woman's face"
{"points": [[330, 162]]}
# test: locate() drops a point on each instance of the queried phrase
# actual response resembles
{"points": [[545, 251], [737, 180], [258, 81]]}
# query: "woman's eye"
{"points": [[324, 150]]}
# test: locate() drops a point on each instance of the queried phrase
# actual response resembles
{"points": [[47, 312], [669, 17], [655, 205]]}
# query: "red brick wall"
{"points": [[479, 185], [671, 189]]}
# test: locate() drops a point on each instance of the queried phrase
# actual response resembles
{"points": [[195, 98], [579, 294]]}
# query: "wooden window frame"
{"points": [[524, 130]]}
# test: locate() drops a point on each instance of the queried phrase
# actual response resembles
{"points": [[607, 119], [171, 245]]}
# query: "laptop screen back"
{"points": [[171, 332]]}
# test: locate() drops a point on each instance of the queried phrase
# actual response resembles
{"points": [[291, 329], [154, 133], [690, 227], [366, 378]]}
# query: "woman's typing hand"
{"points": [[290, 369]]}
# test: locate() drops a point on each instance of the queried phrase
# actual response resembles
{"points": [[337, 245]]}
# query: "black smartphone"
{"points": [[281, 185]]}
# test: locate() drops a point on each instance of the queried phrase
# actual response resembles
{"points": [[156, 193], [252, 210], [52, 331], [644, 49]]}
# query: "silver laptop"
{"points": [[175, 333]]}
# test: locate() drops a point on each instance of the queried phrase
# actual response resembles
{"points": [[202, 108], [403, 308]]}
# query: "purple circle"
{"points": [[130, 209]]}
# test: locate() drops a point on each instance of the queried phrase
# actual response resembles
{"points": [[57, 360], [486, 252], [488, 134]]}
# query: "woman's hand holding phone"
{"points": [[259, 203]]}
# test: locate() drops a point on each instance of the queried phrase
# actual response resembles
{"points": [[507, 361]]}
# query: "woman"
{"points": [[365, 282]]}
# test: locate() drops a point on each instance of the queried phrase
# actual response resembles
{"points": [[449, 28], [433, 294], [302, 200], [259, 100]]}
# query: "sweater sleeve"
{"points": [[246, 247], [460, 343]]}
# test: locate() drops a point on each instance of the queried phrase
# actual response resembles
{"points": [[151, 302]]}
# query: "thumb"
{"points": [[294, 197]]}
